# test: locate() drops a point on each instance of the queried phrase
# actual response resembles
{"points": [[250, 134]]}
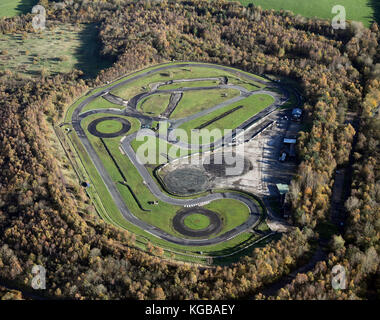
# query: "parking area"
{"points": [[265, 151], [262, 153]]}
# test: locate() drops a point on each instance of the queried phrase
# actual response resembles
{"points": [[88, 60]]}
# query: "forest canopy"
{"points": [[45, 219]]}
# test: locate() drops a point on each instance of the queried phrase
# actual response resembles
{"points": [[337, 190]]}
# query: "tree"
{"points": [[337, 243]]}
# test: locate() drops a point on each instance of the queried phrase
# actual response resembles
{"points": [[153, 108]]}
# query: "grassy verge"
{"points": [[100, 103], [190, 84]]}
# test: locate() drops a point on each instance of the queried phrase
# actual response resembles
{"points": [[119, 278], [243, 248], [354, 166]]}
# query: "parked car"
{"points": [[296, 114]]}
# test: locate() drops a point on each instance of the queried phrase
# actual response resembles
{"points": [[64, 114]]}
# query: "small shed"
{"points": [[290, 140], [290, 144], [282, 190]]}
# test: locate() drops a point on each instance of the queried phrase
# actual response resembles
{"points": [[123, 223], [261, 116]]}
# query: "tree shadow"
{"points": [[89, 57], [375, 5], [25, 6]]}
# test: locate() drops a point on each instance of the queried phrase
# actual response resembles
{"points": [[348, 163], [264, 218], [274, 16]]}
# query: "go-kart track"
{"points": [[131, 110], [213, 227], [126, 125]]}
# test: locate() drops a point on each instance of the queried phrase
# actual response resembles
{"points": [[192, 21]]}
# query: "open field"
{"points": [[196, 101], [58, 50], [155, 104], [358, 10], [251, 106], [10, 8], [161, 146]]}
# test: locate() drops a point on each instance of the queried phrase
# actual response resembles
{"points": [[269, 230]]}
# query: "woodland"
{"points": [[46, 219]]}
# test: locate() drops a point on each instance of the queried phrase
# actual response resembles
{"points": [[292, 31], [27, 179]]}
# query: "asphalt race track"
{"points": [[126, 125], [214, 227], [131, 111]]}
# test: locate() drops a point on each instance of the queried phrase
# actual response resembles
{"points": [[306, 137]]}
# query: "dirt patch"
{"points": [[175, 98], [218, 164], [186, 181]]}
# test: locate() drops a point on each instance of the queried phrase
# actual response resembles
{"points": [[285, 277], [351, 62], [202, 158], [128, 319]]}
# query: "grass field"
{"points": [[109, 126], [160, 146], [100, 103], [197, 221], [110, 214], [135, 124], [154, 104], [134, 179], [58, 50], [238, 212], [251, 106], [196, 101], [127, 90], [249, 85], [10, 8], [358, 10]]}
